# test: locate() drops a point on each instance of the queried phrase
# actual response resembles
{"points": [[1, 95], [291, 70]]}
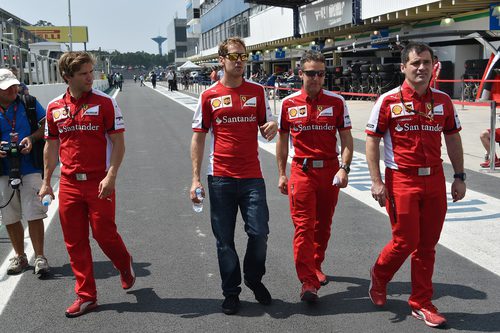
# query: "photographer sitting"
{"points": [[20, 180]]}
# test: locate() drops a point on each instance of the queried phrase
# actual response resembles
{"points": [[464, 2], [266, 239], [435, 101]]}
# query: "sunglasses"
{"points": [[314, 73], [236, 56]]}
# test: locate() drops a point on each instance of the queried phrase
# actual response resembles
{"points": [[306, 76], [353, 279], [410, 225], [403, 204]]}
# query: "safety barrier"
{"points": [[40, 69]]}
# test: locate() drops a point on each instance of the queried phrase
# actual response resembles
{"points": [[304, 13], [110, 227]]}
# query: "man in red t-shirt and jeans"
{"points": [[85, 128], [233, 110]]}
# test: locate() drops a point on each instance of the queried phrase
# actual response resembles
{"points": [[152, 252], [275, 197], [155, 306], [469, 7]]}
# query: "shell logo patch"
{"points": [[399, 110], [59, 114], [297, 112], [216, 103]]}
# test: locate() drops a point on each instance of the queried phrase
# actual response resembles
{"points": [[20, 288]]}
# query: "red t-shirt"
{"points": [[233, 115], [313, 123], [83, 126], [410, 139]]}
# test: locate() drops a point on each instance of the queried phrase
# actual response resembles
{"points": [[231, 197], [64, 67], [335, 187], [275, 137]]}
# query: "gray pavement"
{"points": [[178, 285]]}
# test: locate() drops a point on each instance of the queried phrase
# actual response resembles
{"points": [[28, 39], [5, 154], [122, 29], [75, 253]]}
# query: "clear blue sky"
{"points": [[126, 25]]}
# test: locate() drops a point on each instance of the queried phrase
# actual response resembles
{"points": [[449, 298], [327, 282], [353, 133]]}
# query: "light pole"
{"points": [[70, 29]]}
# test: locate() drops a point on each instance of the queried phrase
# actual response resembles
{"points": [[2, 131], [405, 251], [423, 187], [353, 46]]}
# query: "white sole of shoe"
{"points": [[419, 316]]}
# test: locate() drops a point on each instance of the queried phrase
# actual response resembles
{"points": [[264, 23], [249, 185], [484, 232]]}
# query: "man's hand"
{"points": [[269, 130], [379, 192], [342, 177], [27, 145], [192, 193], [283, 184], [458, 189], [45, 189], [106, 187]]}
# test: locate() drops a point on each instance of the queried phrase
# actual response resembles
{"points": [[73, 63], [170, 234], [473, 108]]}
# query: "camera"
{"points": [[13, 150]]}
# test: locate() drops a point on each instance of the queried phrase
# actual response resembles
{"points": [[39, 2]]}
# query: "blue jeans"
{"points": [[226, 195]]}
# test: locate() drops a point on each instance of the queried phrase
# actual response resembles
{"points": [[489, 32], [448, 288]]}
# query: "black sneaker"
{"points": [[260, 291], [231, 304]]}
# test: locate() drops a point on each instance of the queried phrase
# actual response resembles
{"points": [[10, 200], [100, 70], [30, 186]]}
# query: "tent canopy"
{"points": [[188, 65]]}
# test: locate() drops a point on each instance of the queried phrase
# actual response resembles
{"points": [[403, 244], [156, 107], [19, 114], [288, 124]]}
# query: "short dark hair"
{"points": [[417, 47], [71, 62], [311, 55], [231, 40]]}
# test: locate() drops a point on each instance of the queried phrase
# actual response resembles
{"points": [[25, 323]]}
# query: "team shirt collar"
{"points": [[70, 99], [409, 92], [309, 99]]}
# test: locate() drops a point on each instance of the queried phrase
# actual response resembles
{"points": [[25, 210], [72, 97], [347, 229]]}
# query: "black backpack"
{"points": [[36, 153]]}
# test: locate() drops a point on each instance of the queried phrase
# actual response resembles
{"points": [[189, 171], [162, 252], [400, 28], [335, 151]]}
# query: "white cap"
{"points": [[7, 79]]}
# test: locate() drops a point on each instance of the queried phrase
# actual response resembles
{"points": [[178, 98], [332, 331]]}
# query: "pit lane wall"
{"points": [[47, 92]]}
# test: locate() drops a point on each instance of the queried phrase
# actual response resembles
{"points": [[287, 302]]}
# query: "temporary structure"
{"points": [[188, 66]]}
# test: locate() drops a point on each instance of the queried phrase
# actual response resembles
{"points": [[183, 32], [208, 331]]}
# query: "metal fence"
{"points": [[33, 68]]}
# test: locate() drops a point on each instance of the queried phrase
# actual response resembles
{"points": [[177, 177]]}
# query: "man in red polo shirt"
{"points": [[311, 118], [85, 127], [411, 119]]}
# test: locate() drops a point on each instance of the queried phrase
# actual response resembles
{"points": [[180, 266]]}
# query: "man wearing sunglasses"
{"points": [[234, 109], [411, 119], [311, 118]]}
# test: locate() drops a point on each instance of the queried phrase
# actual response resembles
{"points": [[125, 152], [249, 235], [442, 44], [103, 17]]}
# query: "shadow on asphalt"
{"points": [[102, 270], [353, 300]]}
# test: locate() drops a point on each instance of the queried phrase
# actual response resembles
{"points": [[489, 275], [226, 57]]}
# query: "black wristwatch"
{"points": [[462, 176], [346, 168]]}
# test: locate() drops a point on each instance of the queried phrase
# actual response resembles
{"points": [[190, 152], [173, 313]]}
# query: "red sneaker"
{"points": [[486, 164], [128, 276], [80, 306], [309, 293], [377, 290], [430, 315], [323, 280]]}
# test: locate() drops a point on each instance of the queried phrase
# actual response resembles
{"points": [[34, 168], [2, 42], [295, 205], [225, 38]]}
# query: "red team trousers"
{"points": [[417, 209], [80, 207], [312, 203]]}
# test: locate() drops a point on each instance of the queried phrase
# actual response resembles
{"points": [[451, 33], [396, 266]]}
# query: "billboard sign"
{"points": [[60, 34]]}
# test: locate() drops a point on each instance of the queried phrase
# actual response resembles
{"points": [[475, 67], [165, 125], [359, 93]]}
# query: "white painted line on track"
{"points": [[472, 225], [8, 283]]}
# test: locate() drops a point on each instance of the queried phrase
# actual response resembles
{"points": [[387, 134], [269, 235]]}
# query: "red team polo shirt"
{"points": [[313, 123], [233, 115], [412, 140], [82, 126]]}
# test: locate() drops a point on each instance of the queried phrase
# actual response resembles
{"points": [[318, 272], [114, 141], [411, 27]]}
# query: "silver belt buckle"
{"points": [[317, 163], [424, 171], [81, 176]]}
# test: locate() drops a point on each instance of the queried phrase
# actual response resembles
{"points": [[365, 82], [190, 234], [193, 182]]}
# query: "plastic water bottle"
{"points": [[46, 200], [198, 207]]}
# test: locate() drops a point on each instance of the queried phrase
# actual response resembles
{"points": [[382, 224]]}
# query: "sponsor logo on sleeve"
{"points": [[438, 110], [250, 101], [59, 114], [399, 110], [325, 112], [93, 111], [297, 112]]}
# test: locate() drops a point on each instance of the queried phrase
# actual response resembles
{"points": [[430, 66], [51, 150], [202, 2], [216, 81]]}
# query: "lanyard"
{"points": [[429, 115], [77, 110], [13, 122]]}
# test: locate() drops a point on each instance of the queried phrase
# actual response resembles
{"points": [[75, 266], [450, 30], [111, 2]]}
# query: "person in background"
{"points": [[23, 88], [485, 140], [436, 71], [21, 200]]}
